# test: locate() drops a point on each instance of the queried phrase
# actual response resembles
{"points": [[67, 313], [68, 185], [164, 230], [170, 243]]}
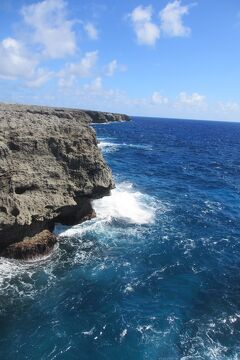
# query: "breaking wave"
{"points": [[109, 146], [20, 279], [125, 204]]}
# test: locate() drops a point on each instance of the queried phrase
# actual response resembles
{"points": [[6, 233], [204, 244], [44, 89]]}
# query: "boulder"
{"points": [[30, 248]]}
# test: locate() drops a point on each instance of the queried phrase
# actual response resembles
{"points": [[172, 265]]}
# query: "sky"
{"points": [[164, 58]]}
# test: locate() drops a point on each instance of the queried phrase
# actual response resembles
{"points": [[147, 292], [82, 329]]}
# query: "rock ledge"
{"points": [[50, 170], [30, 248]]}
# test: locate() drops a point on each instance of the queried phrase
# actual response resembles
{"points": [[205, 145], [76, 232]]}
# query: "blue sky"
{"points": [[155, 58]]}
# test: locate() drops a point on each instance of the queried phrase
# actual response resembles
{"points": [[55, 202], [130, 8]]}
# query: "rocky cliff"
{"points": [[50, 169], [105, 117]]}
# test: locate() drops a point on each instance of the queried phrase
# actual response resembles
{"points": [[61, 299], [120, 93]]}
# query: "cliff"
{"points": [[50, 169], [105, 117]]}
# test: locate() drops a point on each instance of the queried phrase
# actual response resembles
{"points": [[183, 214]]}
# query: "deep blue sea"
{"points": [[157, 274]]}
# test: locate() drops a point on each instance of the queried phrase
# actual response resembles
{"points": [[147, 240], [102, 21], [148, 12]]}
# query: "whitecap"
{"points": [[123, 334], [89, 332], [128, 289], [126, 204], [80, 229], [109, 146], [17, 278]]}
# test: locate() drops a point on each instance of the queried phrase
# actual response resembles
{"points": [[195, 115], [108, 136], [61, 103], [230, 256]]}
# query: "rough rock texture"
{"points": [[50, 169], [30, 248], [104, 117]]}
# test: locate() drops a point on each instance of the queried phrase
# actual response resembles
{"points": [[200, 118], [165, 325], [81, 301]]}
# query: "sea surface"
{"points": [[157, 274]]}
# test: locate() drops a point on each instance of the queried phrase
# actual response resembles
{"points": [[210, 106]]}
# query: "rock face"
{"points": [[50, 169], [104, 117]]}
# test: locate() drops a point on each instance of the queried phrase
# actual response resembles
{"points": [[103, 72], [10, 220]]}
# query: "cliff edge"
{"points": [[50, 170]]}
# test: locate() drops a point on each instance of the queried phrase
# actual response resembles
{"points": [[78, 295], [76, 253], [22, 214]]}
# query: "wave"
{"points": [[19, 279], [125, 204], [119, 122], [109, 146], [115, 216], [205, 342]]}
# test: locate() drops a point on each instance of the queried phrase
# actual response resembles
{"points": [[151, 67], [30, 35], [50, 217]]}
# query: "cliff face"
{"points": [[50, 169], [105, 117]]}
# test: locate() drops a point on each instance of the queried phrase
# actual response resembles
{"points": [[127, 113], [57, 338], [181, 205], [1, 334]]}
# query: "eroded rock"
{"points": [[50, 170], [105, 117], [30, 248]]}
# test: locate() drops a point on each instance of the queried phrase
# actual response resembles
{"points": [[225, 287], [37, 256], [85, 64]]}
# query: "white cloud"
{"points": [[142, 14], [172, 19], [194, 99], [95, 96], [229, 106], [52, 32], [66, 82], [40, 77], [146, 31], [158, 99], [83, 68], [14, 60], [51, 28], [171, 22], [86, 67], [113, 67], [17, 63], [95, 86], [91, 31]]}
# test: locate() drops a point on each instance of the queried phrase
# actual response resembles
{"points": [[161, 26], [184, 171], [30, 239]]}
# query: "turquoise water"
{"points": [[156, 275]]}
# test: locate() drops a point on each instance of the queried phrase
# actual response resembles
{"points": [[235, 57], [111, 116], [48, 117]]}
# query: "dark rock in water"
{"points": [[50, 169], [30, 248]]}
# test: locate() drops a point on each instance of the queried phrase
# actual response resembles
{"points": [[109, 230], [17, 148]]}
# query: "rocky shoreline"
{"points": [[50, 170]]}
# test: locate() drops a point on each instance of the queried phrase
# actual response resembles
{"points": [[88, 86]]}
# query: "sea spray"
{"points": [[127, 204], [124, 204], [108, 145]]}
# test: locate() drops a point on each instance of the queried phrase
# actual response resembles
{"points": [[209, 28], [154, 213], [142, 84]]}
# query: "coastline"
{"points": [[51, 168]]}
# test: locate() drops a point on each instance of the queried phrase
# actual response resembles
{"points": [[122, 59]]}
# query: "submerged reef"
{"points": [[50, 170]]}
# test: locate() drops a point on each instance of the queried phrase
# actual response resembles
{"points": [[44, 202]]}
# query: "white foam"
{"points": [[105, 144], [66, 231], [123, 334], [17, 277], [108, 146], [143, 147], [126, 204], [88, 333], [128, 289]]}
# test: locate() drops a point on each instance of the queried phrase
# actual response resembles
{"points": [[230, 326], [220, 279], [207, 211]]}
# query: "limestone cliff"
{"points": [[105, 117], [50, 169]]}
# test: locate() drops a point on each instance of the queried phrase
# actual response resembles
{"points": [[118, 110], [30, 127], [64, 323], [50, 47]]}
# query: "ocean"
{"points": [[157, 274]]}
